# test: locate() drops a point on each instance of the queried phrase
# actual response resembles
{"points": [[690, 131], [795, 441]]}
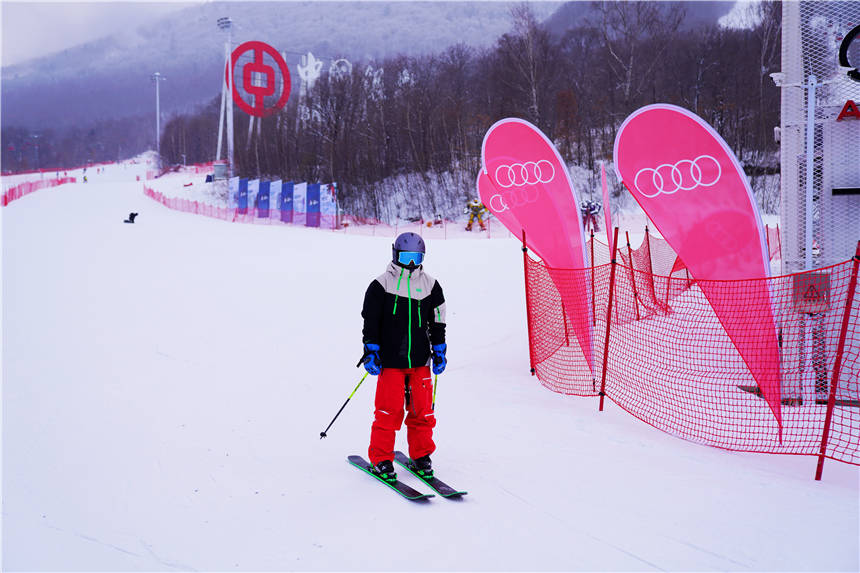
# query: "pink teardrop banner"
{"points": [[692, 187], [526, 185]]}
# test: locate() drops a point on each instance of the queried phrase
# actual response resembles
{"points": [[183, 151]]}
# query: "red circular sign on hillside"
{"points": [[252, 71]]}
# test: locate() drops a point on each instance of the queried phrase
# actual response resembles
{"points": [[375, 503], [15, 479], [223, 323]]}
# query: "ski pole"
{"points": [[435, 381], [323, 433]]}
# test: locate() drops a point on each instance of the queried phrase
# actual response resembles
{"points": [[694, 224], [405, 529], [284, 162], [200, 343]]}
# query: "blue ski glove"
{"points": [[439, 360], [371, 359]]}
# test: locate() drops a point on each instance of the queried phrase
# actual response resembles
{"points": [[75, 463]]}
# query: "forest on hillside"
{"points": [[419, 123]]}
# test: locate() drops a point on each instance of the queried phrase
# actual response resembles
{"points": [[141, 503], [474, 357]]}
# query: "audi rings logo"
{"points": [[501, 202], [522, 174], [685, 175]]}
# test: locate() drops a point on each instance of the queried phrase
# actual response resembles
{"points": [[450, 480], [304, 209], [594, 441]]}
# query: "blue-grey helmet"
{"points": [[408, 250]]}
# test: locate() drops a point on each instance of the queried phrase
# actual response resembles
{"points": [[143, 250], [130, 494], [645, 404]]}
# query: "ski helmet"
{"points": [[408, 250]]}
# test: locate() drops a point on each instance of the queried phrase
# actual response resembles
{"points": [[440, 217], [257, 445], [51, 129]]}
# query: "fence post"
{"points": [[779, 242], [668, 285], [779, 245], [608, 318], [528, 307], [651, 264], [837, 366], [632, 275]]}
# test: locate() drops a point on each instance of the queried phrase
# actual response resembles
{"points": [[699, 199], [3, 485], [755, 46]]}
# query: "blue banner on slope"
{"points": [[285, 203], [313, 205], [300, 199], [263, 200], [242, 197]]}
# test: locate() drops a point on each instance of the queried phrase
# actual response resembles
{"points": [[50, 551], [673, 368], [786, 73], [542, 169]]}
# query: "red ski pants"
{"points": [[391, 396]]}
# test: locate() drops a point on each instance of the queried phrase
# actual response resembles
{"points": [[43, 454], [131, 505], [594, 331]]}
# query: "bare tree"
{"points": [[527, 59], [636, 35]]}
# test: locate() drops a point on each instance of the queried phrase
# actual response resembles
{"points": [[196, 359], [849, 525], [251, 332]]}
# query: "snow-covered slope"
{"points": [[165, 383]]}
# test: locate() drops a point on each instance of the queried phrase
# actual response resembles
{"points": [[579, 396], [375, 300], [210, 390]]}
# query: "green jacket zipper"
{"points": [[409, 322]]}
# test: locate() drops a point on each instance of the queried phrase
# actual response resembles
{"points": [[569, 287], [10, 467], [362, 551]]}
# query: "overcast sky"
{"points": [[32, 29]]}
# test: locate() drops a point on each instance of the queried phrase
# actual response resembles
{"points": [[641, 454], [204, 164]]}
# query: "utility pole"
{"points": [[157, 78]]}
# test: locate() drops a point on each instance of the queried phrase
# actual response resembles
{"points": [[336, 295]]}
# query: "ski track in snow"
{"points": [[567, 523]]}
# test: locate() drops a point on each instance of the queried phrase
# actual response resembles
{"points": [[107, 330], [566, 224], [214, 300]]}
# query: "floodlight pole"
{"points": [[157, 78], [226, 24], [35, 137]]}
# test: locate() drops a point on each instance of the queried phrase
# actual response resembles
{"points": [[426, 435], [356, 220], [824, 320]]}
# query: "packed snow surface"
{"points": [[165, 384]]}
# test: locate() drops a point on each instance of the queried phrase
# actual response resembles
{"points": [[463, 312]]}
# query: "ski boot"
{"points": [[423, 467], [385, 471]]}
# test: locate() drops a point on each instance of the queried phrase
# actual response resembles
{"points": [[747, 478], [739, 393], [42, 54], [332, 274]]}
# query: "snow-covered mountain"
{"points": [[110, 77]]}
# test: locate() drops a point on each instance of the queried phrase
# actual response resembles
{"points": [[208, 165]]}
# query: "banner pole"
{"points": [[608, 319], [593, 310], [528, 307], [767, 239], [564, 317], [837, 366]]}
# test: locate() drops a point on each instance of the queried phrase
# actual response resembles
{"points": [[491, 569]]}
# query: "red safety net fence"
{"points": [[27, 187], [671, 364]]}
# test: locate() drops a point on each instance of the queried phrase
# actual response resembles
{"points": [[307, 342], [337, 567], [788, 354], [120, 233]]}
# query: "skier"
{"points": [[403, 334], [590, 210], [475, 210]]}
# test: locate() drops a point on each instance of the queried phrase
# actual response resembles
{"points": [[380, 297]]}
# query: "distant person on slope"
{"points": [[590, 210], [475, 210], [404, 334]]}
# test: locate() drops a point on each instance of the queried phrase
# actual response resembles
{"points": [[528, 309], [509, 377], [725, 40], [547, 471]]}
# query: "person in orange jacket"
{"points": [[475, 210]]}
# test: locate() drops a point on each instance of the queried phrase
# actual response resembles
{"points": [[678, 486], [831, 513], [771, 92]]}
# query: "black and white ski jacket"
{"points": [[404, 313]]}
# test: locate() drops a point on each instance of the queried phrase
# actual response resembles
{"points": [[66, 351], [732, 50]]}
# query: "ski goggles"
{"points": [[410, 258]]}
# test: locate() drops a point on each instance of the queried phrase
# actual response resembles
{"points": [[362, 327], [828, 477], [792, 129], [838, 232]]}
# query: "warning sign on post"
{"points": [[812, 292]]}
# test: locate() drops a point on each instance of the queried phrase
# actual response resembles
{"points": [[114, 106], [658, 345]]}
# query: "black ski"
{"points": [[438, 485], [397, 486]]}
